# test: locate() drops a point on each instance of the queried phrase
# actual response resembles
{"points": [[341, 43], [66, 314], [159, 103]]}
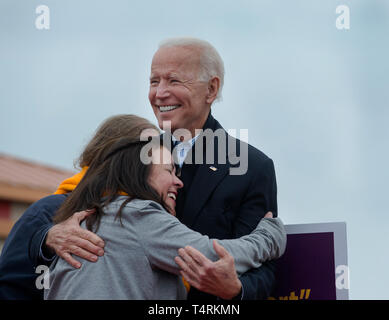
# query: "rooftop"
{"points": [[27, 181]]}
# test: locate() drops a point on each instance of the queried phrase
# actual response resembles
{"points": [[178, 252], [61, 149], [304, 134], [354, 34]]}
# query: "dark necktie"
{"points": [[175, 143]]}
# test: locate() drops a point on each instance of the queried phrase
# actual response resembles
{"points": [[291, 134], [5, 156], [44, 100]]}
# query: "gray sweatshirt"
{"points": [[139, 255]]}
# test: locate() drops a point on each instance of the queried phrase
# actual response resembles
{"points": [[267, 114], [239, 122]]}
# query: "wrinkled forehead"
{"points": [[176, 60]]}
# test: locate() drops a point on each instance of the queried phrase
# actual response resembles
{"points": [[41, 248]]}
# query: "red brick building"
{"points": [[23, 182]]}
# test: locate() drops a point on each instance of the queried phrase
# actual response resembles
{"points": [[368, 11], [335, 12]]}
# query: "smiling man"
{"points": [[180, 89]]}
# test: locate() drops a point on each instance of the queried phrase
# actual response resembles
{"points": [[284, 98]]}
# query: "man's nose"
{"points": [[162, 91]]}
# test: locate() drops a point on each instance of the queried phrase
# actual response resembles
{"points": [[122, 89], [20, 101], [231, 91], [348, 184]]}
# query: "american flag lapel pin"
{"points": [[212, 168]]}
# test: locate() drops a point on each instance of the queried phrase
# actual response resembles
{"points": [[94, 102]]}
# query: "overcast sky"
{"points": [[314, 98]]}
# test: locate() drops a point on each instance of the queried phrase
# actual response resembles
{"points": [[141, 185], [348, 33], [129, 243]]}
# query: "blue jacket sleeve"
{"points": [[36, 243], [20, 254]]}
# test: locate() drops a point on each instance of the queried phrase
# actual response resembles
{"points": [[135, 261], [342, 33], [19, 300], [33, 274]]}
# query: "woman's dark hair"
{"points": [[117, 169], [109, 131]]}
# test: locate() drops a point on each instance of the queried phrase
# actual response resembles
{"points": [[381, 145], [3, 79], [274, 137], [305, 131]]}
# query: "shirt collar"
{"points": [[190, 142]]}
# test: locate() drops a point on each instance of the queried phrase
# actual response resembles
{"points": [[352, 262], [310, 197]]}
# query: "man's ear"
{"points": [[213, 89]]}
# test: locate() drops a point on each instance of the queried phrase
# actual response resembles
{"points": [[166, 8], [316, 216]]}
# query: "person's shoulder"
{"points": [[139, 211], [147, 205], [252, 152], [138, 205], [42, 209], [50, 200], [49, 203]]}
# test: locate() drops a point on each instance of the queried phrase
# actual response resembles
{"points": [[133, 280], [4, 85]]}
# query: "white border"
{"points": [[340, 243]]}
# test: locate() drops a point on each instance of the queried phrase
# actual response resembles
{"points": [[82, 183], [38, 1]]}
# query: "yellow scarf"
{"points": [[69, 184]]}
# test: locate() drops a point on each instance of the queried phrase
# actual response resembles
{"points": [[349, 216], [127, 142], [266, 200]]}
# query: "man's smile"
{"points": [[168, 108]]}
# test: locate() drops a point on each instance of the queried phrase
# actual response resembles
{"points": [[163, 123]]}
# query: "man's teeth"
{"points": [[167, 108], [171, 195]]}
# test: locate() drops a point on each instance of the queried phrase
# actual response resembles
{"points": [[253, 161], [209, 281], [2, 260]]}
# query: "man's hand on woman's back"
{"points": [[67, 238]]}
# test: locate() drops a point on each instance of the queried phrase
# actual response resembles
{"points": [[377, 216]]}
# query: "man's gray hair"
{"points": [[211, 63]]}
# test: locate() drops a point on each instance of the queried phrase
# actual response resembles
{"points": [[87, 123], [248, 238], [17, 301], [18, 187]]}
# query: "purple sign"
{"points": [[307, 270]]}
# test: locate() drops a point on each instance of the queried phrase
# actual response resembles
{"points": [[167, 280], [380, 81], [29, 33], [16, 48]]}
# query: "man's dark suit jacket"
{"points": [[225, 206]]}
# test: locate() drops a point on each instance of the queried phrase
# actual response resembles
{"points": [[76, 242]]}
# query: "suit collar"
{"points": [[210, 123], [207, 177]]}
